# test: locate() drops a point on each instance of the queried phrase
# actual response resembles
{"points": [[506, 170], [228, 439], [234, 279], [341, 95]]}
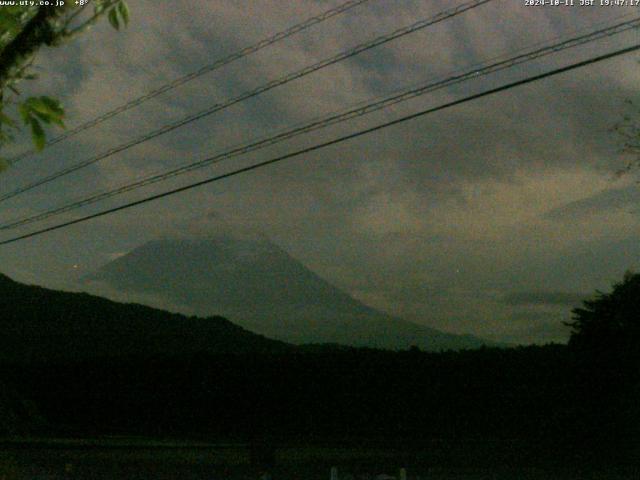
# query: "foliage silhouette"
{"points": [[605, 342], [24, 30], [515, 406], [610, 323]]}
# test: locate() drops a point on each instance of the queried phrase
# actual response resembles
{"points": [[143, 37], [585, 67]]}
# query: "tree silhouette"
{"points": [[24, 30], [605, 341], [609, 324]]}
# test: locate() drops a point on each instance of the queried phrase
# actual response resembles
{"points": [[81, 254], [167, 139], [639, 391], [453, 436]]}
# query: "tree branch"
{"points": [[36, 33]]}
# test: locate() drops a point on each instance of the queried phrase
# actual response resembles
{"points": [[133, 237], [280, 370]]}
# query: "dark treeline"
{"points": [[543, 395], [73, 364]]}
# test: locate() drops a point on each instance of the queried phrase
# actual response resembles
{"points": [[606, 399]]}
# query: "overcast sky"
{"points": [[491, 218]]}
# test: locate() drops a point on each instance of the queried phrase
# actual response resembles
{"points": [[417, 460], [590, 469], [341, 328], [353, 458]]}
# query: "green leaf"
{"points": [[113, 18], [123, 10], [25, 112], [46, 106], [53, 105], [4, 164], [37, 134], [46, 109], [9, 21], [99, 7], [42, 117]]}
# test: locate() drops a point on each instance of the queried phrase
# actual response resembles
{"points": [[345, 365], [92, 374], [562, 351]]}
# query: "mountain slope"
{"points": [[42, 324], [259, 286]]}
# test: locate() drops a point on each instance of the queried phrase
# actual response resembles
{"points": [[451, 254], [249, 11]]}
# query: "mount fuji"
{"points": [[243, 276]]}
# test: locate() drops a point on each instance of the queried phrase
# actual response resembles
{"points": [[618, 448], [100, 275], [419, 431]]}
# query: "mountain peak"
{"points": [[236, 272]]}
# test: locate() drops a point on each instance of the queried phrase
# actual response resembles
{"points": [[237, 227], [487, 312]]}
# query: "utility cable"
{"points": [[470, 74], [335, 141], [198, 73], [444, 15]]}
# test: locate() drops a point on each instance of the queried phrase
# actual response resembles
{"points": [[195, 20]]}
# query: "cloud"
{"points": [[627, 197], [440, 219], [545, 298]]}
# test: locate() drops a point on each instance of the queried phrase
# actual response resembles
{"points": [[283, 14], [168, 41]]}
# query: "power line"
{"points": [[335, 141], [308, 23], [470, 74], [444, 15]]}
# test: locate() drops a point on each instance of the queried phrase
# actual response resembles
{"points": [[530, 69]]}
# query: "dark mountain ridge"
{"points": [[42, 324]]}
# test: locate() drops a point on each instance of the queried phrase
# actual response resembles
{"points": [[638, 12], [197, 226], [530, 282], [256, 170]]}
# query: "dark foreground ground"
{"points": [[142, 459], [297, 415]]}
